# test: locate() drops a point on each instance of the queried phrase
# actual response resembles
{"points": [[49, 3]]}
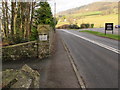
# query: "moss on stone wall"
{"points": [[20, 51], [26, 77]]}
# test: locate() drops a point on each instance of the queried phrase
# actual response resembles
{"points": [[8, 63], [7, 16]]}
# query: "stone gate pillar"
{"points": [[43, 40]]}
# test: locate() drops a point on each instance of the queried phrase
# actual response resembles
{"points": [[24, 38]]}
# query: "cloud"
{"points": [[67, 4]]}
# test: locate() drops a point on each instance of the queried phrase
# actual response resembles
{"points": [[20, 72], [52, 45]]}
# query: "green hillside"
{"points": [[97, 13], [110, 7]]}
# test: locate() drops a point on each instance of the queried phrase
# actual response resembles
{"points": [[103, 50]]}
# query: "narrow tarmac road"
{"points": [[97, 64]]}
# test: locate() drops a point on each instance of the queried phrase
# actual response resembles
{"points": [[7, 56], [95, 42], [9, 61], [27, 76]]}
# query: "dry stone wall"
{"points": [[26, 77], [33, 49], [20, 51]]}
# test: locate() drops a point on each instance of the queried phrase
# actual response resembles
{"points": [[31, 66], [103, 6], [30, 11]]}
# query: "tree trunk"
{"points": [[12, 19], [7, 21], [4, 19], [32, 12], [21, 20]]}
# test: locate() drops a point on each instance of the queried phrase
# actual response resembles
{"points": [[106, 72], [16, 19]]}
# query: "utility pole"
{"points": [[54, 13], [54, 8]]}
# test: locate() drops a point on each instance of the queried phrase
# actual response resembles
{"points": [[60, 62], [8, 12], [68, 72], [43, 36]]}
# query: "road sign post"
{"points": [[108, 27]]}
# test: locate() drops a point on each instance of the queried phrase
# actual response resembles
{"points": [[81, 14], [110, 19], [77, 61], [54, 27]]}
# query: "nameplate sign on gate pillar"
{"points": [[43, 37]]}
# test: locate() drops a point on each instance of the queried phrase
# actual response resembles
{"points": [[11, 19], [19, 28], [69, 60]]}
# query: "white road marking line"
{"points": [[97, 43]]}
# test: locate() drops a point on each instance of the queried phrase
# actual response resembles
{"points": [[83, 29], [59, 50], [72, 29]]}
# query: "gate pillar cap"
{"points": [[43, 29]]}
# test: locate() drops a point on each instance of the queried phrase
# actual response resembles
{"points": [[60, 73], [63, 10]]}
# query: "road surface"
{"points": [[96, 58], [115, 30]]}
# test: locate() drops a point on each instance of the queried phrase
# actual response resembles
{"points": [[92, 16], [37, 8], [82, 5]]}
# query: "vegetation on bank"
{"points": [[111, 36], [75, 26]]}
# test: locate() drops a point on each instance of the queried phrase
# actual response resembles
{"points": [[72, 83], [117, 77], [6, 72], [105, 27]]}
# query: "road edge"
{"points": [[79, 78]]}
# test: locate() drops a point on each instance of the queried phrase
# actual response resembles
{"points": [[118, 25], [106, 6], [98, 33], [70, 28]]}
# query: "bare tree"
{"points": [[18, 15]]}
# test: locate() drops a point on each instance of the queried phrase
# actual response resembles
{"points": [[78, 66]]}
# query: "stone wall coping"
{"points": [[10, 46]]}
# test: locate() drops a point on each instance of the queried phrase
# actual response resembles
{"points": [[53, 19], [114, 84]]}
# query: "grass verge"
{"points": [[111, 36]]}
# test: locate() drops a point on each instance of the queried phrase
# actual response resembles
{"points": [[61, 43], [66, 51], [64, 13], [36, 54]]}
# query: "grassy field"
{"points": [[86, 14], [100, 20], [112, 36], [97, 20]]}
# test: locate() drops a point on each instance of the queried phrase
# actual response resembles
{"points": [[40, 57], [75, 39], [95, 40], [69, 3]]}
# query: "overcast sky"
{"points": [[62, 5]]}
